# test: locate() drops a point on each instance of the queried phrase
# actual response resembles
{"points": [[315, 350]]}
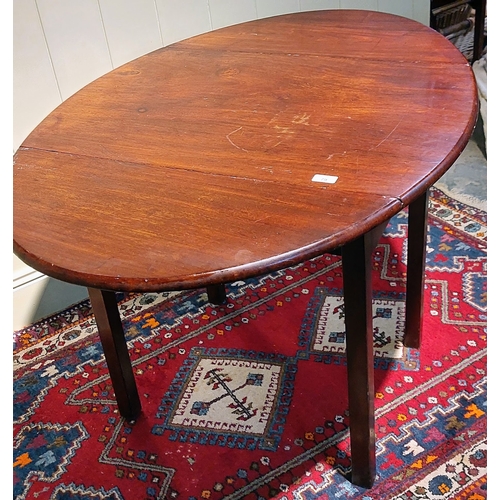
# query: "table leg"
{"points": [[415, 272], [110, 329], [356, 263], [216, 294]]}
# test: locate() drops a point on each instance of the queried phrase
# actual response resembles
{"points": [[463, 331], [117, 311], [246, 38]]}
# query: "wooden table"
{"points": [[243, 151]]}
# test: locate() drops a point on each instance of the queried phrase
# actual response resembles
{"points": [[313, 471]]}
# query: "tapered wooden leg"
{"points": [[216, 293], [356, 263], [110, 329], [417, 243]]}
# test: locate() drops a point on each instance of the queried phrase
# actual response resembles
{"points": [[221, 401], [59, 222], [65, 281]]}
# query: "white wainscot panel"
{"points": [[306, 5], [76, 41], [180, 19], [37, 296], [41, 298], [132, 28], [34, 83], [265, 8], [400, 7], [229, 12], [359, 4], [422, 11]]}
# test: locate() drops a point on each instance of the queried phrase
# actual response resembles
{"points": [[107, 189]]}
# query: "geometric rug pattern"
{"points": [[248, 399]]}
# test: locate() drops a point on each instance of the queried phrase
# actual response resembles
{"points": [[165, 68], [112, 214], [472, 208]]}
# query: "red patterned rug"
{"points": [[249, 399]]}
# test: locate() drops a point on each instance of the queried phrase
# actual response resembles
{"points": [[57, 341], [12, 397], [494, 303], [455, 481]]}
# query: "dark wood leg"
{"points": [[356, 263], [116, 353], [417, 243], [217, 294], [480, 8]]}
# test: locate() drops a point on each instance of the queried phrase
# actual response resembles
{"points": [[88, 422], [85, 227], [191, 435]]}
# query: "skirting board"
{"points": [[37, 296]]}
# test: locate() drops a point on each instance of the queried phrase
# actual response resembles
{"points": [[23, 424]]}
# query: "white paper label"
{"points": [[328, 179]]}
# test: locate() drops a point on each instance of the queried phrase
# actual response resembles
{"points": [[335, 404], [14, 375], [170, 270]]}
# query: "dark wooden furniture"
{"points": [[198, 164], [452, 16]]}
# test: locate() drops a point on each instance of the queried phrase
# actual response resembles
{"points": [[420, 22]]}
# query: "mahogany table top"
{"points": [[241, 151]]}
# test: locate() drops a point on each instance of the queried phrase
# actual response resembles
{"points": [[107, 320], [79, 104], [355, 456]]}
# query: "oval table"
{"points": [[242, 151]]}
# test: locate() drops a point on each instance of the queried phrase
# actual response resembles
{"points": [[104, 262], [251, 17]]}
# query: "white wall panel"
{"points": [[422, 11], [359, 4], [132, 28], [306, 5], [266, 8], [35, 92], [229, 12], [42, 297], [401, 7], [180, 19], [76, 41]]}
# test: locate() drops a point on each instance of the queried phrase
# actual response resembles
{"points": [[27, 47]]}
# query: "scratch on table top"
{"points": [[388, 135], [301, 119], [330, 156], [235, 145], [277, 144], [262, 218], [284, 130]]}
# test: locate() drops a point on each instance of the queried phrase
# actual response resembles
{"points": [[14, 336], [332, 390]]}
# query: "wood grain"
{"points": [[192, 165]]}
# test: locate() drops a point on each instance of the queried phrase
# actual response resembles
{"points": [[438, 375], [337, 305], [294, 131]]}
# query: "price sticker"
{"points": [[327, 179]]}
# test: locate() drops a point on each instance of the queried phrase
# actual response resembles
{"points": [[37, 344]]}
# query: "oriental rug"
{"points": [[248, 399]]}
